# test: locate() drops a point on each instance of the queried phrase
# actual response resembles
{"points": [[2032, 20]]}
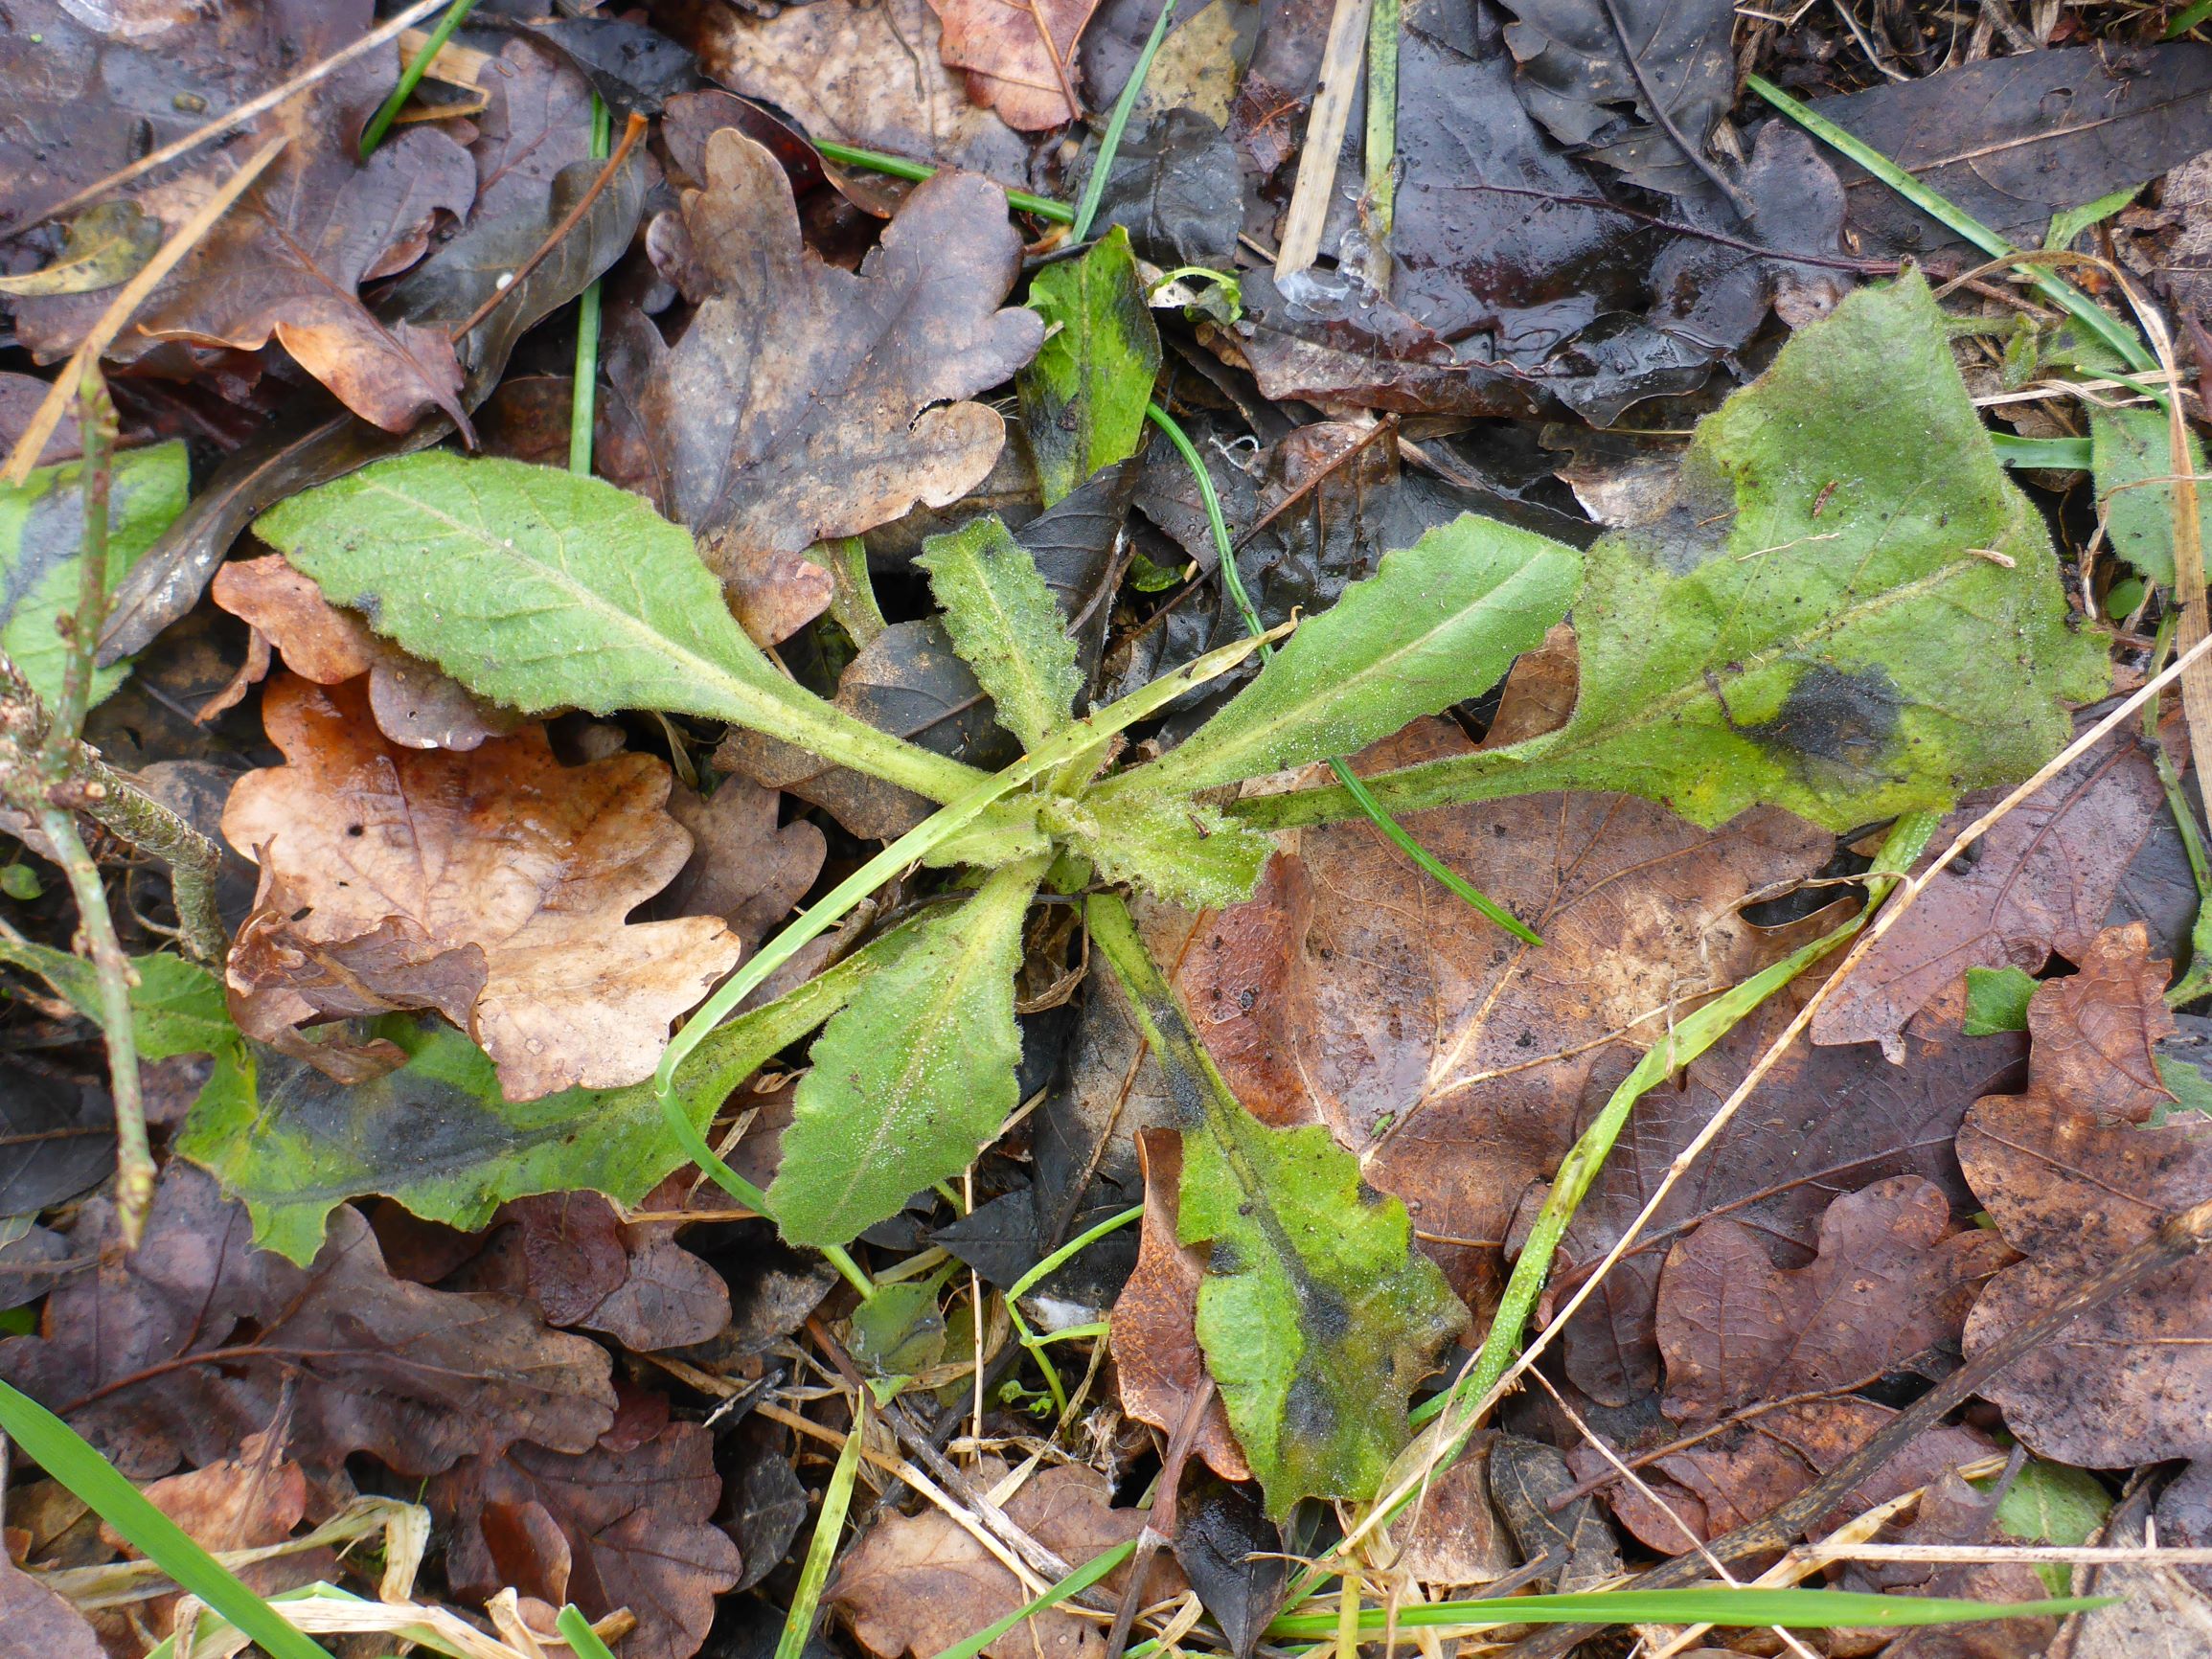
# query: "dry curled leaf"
{"points": [[2075, 1177], [918, 1583], [1018, 55], [635, 1519], [1354, 990], [502, 849], [1892, 1279], [413, 703], [807, 401], [180, 1349]]}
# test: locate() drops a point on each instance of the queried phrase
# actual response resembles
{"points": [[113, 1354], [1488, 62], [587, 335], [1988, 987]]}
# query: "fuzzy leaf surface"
{"points": [[1005, 626], [1083, 396], [1814, 620], [914, 1076]]}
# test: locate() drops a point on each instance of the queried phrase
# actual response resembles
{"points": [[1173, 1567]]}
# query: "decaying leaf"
{"points": [[1814, 621], [2074, 1177], [41, 1620], [501, 850], [2045, 879], [183, 1348], [1307, 995], [845, 409], [918, 1583], [1083, 396], [635, 1518], [413, 703], [1018, 55], [1891, 1281], [745, 867], [1953, 1513], [1825, 1122]]}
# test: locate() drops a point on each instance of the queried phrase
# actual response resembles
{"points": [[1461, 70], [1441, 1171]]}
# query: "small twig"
{"points": [[1310, 197], [390, 29], [1160, 1521], [133, 293], [1696, 152], [1599, 204], [632, 132]]}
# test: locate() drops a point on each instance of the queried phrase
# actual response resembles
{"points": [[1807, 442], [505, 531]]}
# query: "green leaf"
{"points": [[1317, 1316], [915, 1077], [1845, 609], [2051, 1504], [176, 1007], [436, 1135], [2068, 223], [2134, 456], [41, 540], [1005, 627], [1996, 999], [1083, 396], [1438, 622], [20, 882], [541, 590], [1182, 850]]}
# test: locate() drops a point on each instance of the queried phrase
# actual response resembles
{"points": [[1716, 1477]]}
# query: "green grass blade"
{"points": [[1074, 1584], [1233, 580], [2070, 453], [1094, 187], [577, 1631], [814, 1575], [411, 77], [64, 1454], [584, 388], [2056, 289], [1725, 1606], [899, 166], [2187, 18]]}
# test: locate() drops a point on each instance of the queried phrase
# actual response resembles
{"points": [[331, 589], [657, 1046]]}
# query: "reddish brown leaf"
{"points": [[40, 1620], [2073, 1181], [918, 1583], [1825, 1122], [1354, 990], [806, 401], [1892, 1279], [235, 1503], [184, 1347], [635, 1522], [414, 704], [745, 867], [504, 849], [1020, 55], [1153, 1331], [2045, 880]]}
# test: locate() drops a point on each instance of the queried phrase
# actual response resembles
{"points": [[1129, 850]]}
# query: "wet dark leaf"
{"points": [[765, 1505], [1232, 1555], [57, 1137], [1527, 1477], [633, 66], [1178, 187]]}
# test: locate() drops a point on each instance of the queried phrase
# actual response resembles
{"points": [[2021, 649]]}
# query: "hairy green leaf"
{"points": [[176, 1007], [1996, 999], [541, 590], [2133, 453], [2051, 1504], [1005, 627], [1182, 850], [1318, 1315], [1438, 622], [1844, 610], [438, 1136], [1083, 394], [42, 546], [915, 1077]]}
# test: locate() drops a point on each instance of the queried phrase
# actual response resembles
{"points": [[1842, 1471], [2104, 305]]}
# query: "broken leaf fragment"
{"points": [[502, 852]]}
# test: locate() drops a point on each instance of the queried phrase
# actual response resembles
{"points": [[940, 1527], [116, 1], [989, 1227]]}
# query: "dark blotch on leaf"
{"points": [[1844, 717], [1308, 1414]]}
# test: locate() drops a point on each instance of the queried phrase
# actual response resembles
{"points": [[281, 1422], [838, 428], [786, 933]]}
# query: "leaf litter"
{"points": [[1146, 1118]]}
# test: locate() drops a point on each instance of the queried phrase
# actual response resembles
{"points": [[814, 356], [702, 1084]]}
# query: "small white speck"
{"points": [[505, 278]]}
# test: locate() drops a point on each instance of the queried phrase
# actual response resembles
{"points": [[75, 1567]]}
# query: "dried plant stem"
{"points": [[1325, 128]]}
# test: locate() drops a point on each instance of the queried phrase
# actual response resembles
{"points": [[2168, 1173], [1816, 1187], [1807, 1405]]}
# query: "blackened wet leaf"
{"points": [[765, 1504], [846, 408], [57, 1138], [1527, 1478], [1073, 544], [2013, 140], [1232, 1555], [1177, 188], [633, 66], [637, 1520], [1592, 71], [188, 1345]]}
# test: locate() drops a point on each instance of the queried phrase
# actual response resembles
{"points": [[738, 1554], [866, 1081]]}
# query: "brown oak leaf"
{"points": [[1354, 990], [916, 1584], [1018, 55], [745, 867], [42, 1620], [502, 849], [1892, 1279], [413, 703], [2074, 1177], [807, 401], [1952, 1511], [636, 1521], [180, 1349]]}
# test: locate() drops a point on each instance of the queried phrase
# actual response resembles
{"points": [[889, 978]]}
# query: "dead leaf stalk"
{"points": [[1317, 185]]}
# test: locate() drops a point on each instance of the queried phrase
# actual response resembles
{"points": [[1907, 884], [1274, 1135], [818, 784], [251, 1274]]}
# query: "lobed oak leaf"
{"points": [[180, 1349], [2074, 1176], [502, 849], [635, 1518], [806, 401], [1018, 55]]}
